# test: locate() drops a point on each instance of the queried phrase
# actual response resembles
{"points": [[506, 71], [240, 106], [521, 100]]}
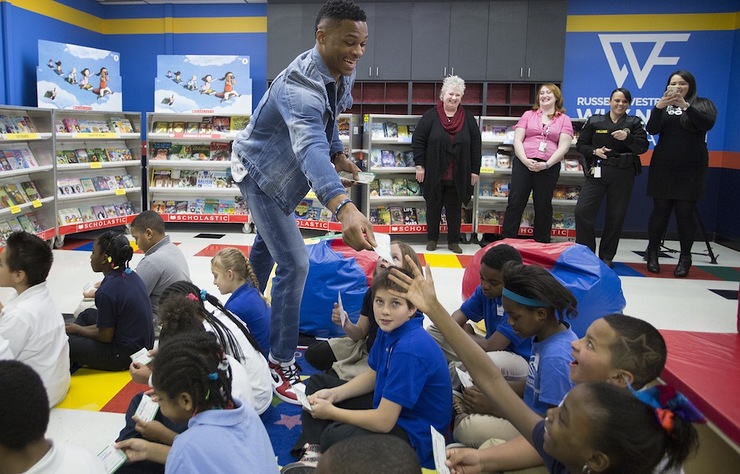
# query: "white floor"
{"points": [[667, 303]]}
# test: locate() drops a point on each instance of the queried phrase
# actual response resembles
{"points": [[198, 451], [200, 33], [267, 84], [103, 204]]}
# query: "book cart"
{"points": [[492, 191], [97, 170], [189, 168], [310, 213], [393, 201], [27, 185]]}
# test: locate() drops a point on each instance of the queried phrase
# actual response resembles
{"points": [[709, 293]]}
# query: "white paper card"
{"points": [[112, 458], [440, 452], [301, 396], [384, 246], [342, 312], [464, 377], [142, 356], [147, 409], [363, 177]]}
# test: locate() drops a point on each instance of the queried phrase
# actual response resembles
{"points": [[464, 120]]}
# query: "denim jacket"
{"points": [[284, 148]]}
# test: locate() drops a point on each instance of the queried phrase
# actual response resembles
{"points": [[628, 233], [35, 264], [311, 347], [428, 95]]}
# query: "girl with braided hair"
{"points": [[192, 384], [120, 324], [234, 337], [233, 274]]}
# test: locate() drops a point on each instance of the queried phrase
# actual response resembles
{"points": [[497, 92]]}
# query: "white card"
{"points": [[363, 177], [142, 356], [439, 449], [342, 312], [112, 458], [597, 171], [384, 246], [464, 377], [301, 396], [147, 409]]}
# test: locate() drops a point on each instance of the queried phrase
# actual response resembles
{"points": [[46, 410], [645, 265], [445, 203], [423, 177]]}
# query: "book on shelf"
{"points": [[486, 189], [71, 125], [5, 200], [61, 159], [390, 129], [87, 214], [221, 124], [161, 178], [200, 206], [572, 164], [410, 216], [221, 179], [205, 127], [211, 206], [421, 215], [99, 212], [220, 151], [200, 152], [71, 156], [100, 183], [82, 156], [403, 131], [87, 185], [170, 207], [301, 210], [4, 163], [179, 151], [120, 125], [503, 158], [181, 207], [386, 186], [204, 179], [325, 215], [240, 205], [500, 188], [26, 224], [16, 124], [488, 161], [376, 158], [69, 186], [387, 158], [32, 192], [71, 215], [160, 150], [343, 127], [15, 226], [158, 206], [16, 193], [160, 127], [188, 179], [374, 188], [191, 128], [127, 207], [178, 128], [110, 210], [377, 130], [399, 188], [5, 229], [128, 181], [97, 155], [396, 214], [413, 186], [238, 123], [384, 216], [112, 182]]}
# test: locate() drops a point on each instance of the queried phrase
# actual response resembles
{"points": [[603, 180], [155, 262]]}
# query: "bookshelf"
{"points": [[26, 172]]}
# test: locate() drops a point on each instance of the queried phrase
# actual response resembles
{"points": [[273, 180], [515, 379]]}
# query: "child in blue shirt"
{"points": [[233, 274], [408, 380]]}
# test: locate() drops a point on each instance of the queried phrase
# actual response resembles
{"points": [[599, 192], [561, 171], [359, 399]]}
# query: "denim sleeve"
{"points": [[303, 111]]}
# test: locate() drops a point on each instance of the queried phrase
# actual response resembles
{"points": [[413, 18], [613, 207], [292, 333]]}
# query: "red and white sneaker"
{"points": [[284, 378]]}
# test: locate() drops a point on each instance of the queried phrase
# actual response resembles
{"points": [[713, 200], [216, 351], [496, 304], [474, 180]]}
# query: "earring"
{"points": [[586, 469]]}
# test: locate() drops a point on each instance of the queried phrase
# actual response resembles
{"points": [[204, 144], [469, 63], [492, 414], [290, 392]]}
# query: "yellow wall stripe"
{"points": [[652, 22], [51, 9]]}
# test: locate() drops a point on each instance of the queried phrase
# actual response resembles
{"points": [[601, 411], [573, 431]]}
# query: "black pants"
{"points": [[327, 432], [320, 355], [685, 222], [450, 200], [616, 184], [95, 354], [541, 184]]}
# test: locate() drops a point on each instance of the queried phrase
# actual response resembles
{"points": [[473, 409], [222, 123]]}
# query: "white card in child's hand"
{"points": [[342, 312], [112, 458], [301, 396], [147, 409], [142, 356], [440, 452], [384, 246], [464, 377]]}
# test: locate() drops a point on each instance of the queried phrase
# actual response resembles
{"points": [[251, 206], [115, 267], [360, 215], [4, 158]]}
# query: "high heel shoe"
{"points": [[682, 269], [652, 261]]}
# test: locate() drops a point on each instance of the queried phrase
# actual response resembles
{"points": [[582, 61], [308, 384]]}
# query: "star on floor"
{"points": [[289, 421]]}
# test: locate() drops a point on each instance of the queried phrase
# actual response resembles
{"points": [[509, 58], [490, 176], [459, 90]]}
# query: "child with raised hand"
{"points": [[31, 325], [121, 323], [597, 428], [406, 390], [235, 338], [232, 274], [192, 383], [346, 357], [617, 349]]}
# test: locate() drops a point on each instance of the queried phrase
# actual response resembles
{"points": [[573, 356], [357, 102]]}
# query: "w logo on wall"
{"points": [[627, 42]]}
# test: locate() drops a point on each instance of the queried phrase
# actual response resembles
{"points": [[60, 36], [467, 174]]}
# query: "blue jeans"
{"points": [[278, 241]]}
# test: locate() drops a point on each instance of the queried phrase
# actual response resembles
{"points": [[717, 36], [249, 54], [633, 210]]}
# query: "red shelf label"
{"points": [[228, 218]]}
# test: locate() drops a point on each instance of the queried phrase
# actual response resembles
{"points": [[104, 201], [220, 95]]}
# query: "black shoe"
{"points": [[432, 245], [455, 248], [652, 261], [608, 263], [682, 269]]}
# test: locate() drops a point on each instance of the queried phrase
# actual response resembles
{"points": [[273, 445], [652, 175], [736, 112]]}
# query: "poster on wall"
{"points": [[205, 84], [76, 77]]}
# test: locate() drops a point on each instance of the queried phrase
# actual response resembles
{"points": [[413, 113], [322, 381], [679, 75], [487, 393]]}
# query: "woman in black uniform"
{"points": [[678, 168], [611, 145]]}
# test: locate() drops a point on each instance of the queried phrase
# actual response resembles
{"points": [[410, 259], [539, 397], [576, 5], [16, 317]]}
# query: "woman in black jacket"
{"points": [[611, 145], [447, 153]]}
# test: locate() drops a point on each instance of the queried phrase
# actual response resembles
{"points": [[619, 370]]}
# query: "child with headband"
{"points": [[121, 323], [598, 427]]}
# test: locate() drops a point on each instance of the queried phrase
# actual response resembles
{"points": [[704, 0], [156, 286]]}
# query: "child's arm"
{"points": [[497, 342], [138, 449], [379, 420], [510, 456], [354, 331], [360, 385], [420, 292], [104, 335]]}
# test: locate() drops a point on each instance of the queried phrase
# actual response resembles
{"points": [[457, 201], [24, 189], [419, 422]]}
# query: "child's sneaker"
{"points": [[284, 378], [307, 463], [458, 408]]}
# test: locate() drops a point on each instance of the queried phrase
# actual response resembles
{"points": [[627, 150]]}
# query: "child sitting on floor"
{"points": [[346, 357], [30, 322], [598, 427], [232, 273], [405, 390], [121, 323], [192, 384]]}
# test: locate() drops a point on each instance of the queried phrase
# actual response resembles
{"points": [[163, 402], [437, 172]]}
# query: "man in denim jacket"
{"points": [[290, 146]]}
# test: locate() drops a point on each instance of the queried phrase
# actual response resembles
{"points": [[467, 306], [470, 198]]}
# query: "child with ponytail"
{"points": [[121, 323], [232, 274], [191, 381]]}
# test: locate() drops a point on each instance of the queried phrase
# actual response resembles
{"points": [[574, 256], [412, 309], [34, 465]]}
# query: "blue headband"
{"points": [[524, 300]]}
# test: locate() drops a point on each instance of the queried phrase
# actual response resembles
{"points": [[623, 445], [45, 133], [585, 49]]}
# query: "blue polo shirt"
{"points": [[247, 304], [123, 303], [548, 379], [491, 310], [411, 371]]}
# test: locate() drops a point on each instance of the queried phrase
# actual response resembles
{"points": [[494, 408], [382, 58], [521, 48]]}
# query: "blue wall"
{"points": [[145, 35]]}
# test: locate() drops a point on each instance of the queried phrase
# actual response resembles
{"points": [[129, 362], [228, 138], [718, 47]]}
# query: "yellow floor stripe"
{"points": [[444, 261], [92, 389]]}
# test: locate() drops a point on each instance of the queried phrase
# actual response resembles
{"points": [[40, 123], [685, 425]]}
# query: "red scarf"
{"points": [[451, 125]]}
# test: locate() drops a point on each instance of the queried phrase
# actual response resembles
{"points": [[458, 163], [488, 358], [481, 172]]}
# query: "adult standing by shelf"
{"points": [[611, 145], [447, 154], [678, 168], [542, 136], [290, 146]]}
